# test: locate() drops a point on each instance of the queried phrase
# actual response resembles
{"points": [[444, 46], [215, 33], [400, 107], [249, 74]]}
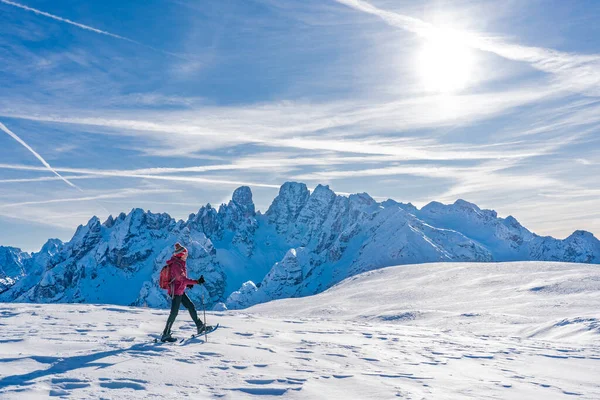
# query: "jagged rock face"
{"points": [[242, 198], [347, 236], [128, 241], [305, 243], [119, 262], [377, 236], [239, 216], [12, 266], [244, 297], [286, 207], [580, 247], [207, 220]]}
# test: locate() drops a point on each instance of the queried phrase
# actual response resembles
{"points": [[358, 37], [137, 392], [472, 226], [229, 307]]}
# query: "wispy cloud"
{"points": [[296, 124], [87, 27], [48, 166]]}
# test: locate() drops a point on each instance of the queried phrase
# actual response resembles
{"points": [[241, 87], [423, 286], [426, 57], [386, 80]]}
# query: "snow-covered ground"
{"points": [[526, 330]]}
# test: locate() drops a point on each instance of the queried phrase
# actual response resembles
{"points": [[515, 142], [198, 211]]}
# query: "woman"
{"points": [[179, 282]]}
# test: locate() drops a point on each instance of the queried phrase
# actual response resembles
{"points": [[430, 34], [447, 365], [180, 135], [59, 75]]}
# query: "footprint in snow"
{"points": [[10, 340], [483, 356], [554, 356], [64, 384], [122, 385], [209, 354], [260, 381], [264, 391], [266, 349]]}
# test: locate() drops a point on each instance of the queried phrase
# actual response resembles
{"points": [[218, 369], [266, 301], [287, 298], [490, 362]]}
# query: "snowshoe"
{"points": [[168, 338]]}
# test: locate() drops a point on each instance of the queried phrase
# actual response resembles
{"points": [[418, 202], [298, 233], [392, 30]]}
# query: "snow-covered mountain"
{"points": [[305, 243], [16, 265]]}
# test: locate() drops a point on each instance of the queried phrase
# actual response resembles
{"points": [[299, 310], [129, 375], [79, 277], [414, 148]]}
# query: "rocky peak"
{"points": [[318, 203], [313, 214], [12, 259], [361, 203], [583, 235], [408, 207], [52, 246], [207, 220], [512, 221], [110, 222], [242, 197], [362, 199], [460, 203], [287, 205], [84, 230], [433, 207], [239, 208]]}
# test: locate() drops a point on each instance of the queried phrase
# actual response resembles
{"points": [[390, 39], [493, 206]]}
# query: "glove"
{"points": [[201, 280]]}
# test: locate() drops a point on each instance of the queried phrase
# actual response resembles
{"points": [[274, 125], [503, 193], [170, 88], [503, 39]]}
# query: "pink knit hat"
{"points": [[179, 250]]}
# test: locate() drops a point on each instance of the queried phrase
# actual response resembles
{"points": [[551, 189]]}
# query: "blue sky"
{"points": [[168, 105]]}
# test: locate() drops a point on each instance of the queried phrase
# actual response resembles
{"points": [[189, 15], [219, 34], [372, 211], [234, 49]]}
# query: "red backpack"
{"points": [[165, 277]]}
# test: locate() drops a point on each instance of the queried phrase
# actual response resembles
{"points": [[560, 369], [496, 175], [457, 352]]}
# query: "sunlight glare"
{"points": [[444, 63]]}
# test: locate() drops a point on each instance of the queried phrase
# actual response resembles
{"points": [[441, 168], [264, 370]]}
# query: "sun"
{"points": [[444, 63]]}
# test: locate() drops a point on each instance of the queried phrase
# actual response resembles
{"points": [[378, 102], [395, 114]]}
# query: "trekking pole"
{"points": [[205, 324]]}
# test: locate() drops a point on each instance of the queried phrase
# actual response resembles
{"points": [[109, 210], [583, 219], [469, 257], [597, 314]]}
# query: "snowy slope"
{"points": [[305, 243], [433, 331]]}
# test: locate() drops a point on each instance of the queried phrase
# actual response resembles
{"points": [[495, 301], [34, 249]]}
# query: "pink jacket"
{"points": [[179, 279]]}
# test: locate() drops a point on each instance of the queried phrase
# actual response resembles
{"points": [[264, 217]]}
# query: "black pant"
{"points": [[187, 303]]}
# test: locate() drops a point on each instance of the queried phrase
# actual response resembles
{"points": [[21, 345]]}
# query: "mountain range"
{"points": [[305, 243]]}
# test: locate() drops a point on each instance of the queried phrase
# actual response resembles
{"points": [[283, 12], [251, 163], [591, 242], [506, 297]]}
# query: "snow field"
{"points": [[437, 331]]}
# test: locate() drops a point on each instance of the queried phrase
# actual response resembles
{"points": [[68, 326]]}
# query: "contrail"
{"points": [[86, 27], [48, 166], [121, 194]]}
